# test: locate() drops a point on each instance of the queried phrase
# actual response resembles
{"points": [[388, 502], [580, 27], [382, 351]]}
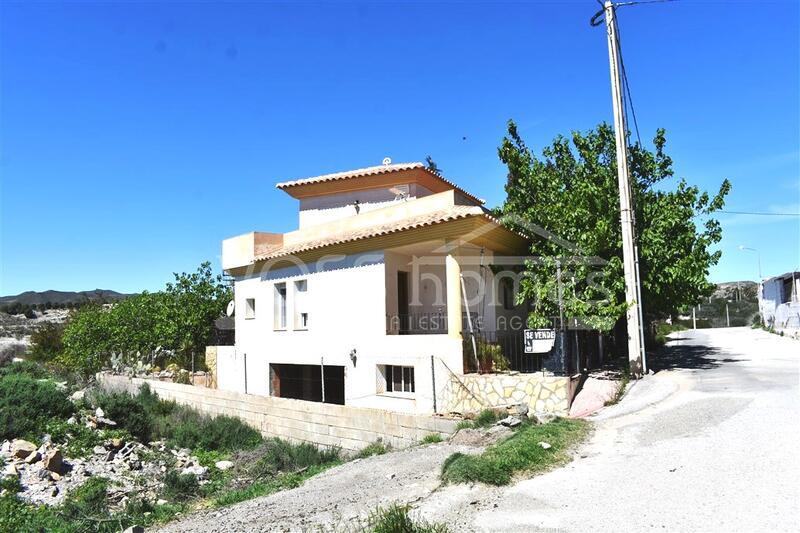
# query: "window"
{"points": [[280, 306], [300, 304], [250, 308], [399, 378]]}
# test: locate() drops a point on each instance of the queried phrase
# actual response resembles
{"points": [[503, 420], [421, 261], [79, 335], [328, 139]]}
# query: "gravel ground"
{"points": [[335, 498], [709, 443]]}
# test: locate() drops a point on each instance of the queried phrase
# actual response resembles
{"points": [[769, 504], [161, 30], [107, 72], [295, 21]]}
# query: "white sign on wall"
{"points": [[539, 340]]}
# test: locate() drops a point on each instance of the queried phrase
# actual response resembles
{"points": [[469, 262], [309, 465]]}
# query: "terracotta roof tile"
{"points": [[429, 219], [372, 171]]}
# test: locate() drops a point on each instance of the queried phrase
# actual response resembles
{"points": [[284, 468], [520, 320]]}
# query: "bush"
{"points": [[278, 455], [180, 486], [376, 448], [147, 417], [486, 418], [395, 519], [27, 404], [432, 438], [25, 368], [128, 413], [46, 342]]}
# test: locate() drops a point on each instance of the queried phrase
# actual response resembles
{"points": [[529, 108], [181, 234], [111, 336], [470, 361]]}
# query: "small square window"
{"points": [[399, 378], [250, 308]]}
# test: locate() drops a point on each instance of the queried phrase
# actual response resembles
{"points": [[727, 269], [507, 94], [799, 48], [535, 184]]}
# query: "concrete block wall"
{"points": [[349, 428]]}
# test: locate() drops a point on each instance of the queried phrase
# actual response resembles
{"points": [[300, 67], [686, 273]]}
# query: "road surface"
{"points": [[710, 443]]}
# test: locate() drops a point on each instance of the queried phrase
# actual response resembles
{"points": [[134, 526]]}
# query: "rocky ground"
{"points": [[341, 498], [47, 475], [16, 330]]}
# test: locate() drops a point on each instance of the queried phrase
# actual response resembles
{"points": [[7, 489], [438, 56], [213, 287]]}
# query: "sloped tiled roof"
{"points": [[429, 219], [373, 171]]}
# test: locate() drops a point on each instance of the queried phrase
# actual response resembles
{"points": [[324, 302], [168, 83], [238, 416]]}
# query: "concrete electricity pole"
{"points": [[635, 339]]}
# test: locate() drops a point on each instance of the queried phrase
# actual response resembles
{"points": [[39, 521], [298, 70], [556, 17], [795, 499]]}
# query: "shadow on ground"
{"points": [[686, 357]]}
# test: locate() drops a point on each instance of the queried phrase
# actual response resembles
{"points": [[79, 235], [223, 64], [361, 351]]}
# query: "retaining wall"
{"points": [[542, 393], [350, 428]]}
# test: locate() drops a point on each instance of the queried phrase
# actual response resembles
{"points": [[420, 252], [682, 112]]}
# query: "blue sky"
{"points": [[136, 136]]}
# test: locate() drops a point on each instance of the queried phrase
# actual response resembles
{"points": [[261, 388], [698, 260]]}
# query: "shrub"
{"points": [[27, 404], [46, 342], [180, 486], [90, 499], [432, 438], [376, 448], [128, 413], [26, 368], [278, 455], [395, 519], [486, 418]]}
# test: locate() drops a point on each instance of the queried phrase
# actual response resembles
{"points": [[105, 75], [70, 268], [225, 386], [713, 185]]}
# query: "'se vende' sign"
{"points": [[539, 340]]}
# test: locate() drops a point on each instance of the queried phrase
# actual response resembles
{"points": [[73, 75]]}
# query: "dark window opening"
{"points": [[304, 382], [399, 378]]}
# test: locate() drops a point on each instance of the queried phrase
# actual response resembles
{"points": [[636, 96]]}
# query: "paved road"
{"points": [[710, 443]]}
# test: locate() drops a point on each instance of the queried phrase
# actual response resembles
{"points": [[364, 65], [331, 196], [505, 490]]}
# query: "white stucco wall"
{"points": [[322, 209], [346, 300]]}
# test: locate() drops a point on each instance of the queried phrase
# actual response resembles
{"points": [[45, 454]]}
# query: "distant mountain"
{"points": [[60, 298], [748, 290]]}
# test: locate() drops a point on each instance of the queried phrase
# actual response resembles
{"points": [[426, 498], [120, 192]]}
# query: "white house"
{"points": [[387, 267], [779, 302]]}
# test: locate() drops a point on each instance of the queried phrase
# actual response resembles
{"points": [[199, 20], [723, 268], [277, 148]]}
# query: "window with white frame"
{"points": [[250, 308], [399, 378], [280, 306], [300, 304]]}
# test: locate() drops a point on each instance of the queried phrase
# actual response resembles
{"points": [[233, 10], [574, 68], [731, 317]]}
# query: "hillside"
{"points": [[727, 291], [26, 300]]}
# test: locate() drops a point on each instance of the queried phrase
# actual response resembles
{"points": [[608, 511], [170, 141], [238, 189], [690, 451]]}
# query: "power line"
{"points": [[760, 213], [629, 99]]}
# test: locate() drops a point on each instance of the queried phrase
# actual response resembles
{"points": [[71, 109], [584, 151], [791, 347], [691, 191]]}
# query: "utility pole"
{"points": [[626, 211]]}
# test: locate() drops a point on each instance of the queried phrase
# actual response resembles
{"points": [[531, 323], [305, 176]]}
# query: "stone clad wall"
{"points": [[349, 428], [474, 392]]}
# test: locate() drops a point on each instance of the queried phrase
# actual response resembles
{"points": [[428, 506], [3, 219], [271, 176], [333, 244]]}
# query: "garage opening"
{"points": [[304, 382]]}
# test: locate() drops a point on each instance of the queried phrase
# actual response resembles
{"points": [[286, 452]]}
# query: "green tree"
{"points": [[179, 319], [46, 342], [570, 197]]}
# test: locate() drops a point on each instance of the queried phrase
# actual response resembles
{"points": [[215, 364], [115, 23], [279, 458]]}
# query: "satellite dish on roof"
{"points": [[387, 161], [229, 310]]}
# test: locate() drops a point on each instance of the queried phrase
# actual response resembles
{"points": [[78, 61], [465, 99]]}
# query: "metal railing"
{"points": [[417, 324], [499, 351]]}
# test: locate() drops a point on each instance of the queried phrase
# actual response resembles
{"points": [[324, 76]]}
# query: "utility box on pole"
{"points": [[635, 352]]}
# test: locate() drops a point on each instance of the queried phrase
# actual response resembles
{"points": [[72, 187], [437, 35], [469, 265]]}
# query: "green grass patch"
{"points": [[396, 519], [277, 483], [520, 453], [376, 448], [432, 438]]}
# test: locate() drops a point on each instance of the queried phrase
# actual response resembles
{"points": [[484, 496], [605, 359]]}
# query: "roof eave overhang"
{"points": [[476, 230]]}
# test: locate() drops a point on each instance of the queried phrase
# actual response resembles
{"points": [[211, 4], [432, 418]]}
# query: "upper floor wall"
{"points": [[322, 209]]}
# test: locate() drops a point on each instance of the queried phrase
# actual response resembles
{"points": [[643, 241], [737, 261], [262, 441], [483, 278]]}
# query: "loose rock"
{"points": [[545, 445], [53, 461], [33, 457], [22, 448], [224, 465]]}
